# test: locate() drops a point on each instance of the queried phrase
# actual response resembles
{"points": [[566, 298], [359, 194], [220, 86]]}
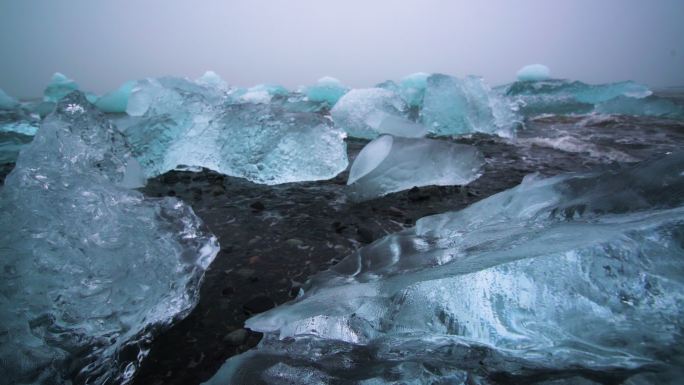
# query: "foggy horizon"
{"points": [[102, 45]]}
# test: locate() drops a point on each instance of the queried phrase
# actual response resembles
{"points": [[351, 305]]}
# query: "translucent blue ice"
{"points": [[116, 101], [91, 269], [412, 88], [326, 90], [534, 72], [179, 122], [369, 112], [7, 102], [389, 164], [59, 87], [453, 106], [567, 277]]}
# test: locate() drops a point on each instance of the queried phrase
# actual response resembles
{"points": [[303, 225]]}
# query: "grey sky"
{"points": [[362, 42]]}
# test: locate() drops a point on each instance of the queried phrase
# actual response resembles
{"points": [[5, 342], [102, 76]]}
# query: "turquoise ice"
{"points": [[534, 72], [59, 87], [507, 285], [327, 90], [92, 270]]}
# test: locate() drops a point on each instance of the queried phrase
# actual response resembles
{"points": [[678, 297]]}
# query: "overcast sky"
{"points": [[362, 42]]}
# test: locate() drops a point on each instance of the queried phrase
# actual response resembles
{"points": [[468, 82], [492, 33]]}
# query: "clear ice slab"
{"points": [[390, 164], [179, 122], [369, 112], [577, 278], [92, 270], [453, 106]]}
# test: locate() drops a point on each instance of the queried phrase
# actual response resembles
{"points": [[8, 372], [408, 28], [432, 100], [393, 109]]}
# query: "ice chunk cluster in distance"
{"points": [[179, 122], [389, 164], [91, 270], [572, 278], [116, 101]]}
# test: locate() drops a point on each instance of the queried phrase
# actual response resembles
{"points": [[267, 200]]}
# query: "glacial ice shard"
{"points": [[369, 112], [389, 164], [179, 122], [578, 276], [453, 106], [116, 101], [326, 90], [262, 93], [7, 102], [412, 89], [91, 270], [59, 87], [566, 97], [534, 72], [649, 106], [212, 79]]}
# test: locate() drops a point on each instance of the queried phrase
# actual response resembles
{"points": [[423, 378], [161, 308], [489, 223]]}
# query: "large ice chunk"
{"points": [[412, 88], [649, 106], [116, 101], [59, 87], [326, 90], [565, 97], [262, 93], [389, 164], [7, 102], [534, 72], [369, 112], [183, 123], [91, 270], [212, 79], [453, 106], [576, 276]]}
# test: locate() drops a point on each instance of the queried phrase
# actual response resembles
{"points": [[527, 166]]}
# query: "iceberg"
{"points": [[92, 270], [390, 164], [7, 102], [116, 101], [327, 90], [534, 72], [453, 106], [178, 122], [59, 87], [500, 292], [369, 112]]}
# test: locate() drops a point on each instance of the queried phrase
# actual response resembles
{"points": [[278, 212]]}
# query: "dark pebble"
{"points": [[258, 304], [257, 206]]}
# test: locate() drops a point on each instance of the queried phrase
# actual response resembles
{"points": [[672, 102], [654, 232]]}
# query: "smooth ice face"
{"points": [[7, 102], [412, 89], [453, 106], [534, 72], [59, 87], [91, 270], [326, 90], [179, 122], [369, 112], [116, 101], [566, 97], [389, 164], [563, 277]]}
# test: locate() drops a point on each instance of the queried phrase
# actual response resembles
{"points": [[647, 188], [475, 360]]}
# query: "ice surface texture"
{"points": [[389, 164], [116, 101], [179, 122], [573, 276], [91, 270], [453, 106], [534, 72], [369, 112], [59, 87], [327, 90], [566, 97]]}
